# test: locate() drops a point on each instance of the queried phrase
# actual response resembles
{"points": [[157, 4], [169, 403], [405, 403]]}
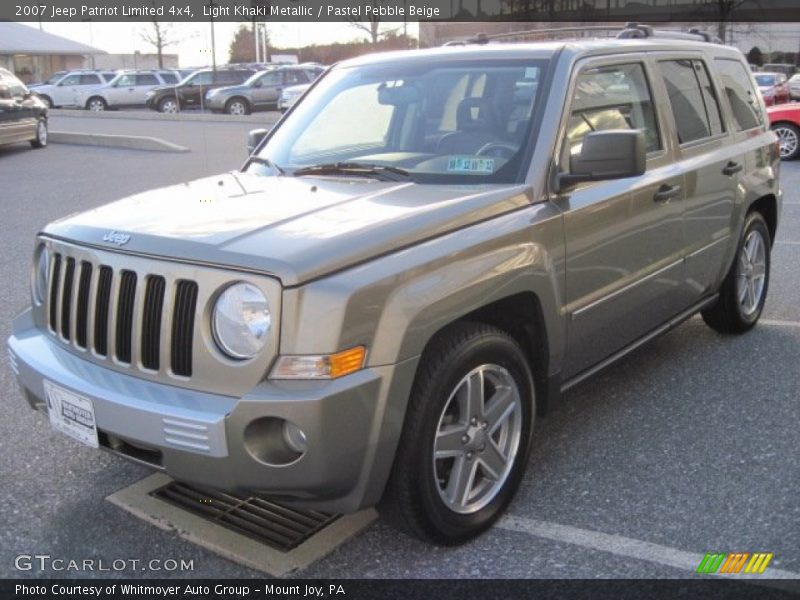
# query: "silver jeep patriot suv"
{"points": [[407, 270]]}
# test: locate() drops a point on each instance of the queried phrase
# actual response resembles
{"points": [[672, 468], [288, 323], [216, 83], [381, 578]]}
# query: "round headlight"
{"points": [[241, 321], [40, 276]]}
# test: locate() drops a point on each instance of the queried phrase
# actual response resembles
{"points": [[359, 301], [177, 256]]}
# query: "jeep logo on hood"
{"points": [[115, 237]]}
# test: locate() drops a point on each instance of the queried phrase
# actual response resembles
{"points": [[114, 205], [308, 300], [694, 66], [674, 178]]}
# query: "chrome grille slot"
{"points": [[55, 281], [151, 321], [66, 298], [101, 311], [182, 328], [82, 316], [125, 302]]}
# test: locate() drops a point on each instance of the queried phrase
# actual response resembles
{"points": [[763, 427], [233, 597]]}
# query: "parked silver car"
{"points": [[261, 92], [65, 90], [794, 86], [290, 95], [127, 89], [408, 270]]}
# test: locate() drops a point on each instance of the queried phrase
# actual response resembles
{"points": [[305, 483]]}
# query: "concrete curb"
{"points": [[130, 142], [262, 118]]}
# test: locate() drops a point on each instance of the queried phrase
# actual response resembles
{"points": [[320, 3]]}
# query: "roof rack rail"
{"points": [[629, 31], [640, 31], [483, 38]]}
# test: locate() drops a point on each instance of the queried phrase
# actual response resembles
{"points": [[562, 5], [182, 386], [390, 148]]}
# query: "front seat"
{"points": [[475, 124]]}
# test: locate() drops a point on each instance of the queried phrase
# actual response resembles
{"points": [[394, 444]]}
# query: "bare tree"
{"points": [[372, 26], [726, 9], [160, 36]]}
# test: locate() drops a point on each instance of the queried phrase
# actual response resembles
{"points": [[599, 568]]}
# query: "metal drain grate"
{"points": [[273, 524]]}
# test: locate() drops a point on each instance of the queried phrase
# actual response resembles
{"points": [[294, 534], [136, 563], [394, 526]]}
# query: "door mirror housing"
{"points": [[254, 138], [612, 154], [5, 93]]}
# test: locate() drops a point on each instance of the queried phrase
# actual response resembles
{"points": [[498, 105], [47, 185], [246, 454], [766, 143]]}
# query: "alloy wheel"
{"points": [[237, 108], [752, 272], [41, 133], [788, 139], [477, 438]]}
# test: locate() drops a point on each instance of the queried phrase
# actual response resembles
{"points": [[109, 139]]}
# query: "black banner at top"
{"points": [[651, 11]]}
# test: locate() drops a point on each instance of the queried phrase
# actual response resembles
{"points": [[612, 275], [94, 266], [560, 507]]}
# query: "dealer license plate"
{"points": [[71, 413]]}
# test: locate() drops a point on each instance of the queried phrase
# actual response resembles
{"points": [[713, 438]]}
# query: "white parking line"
{"points": [[787, 243], [776, 323], [624, 546]]}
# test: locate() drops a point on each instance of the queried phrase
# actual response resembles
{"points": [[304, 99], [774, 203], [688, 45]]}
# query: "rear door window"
{"points": [[90, 79], [693, 100], [146, 79]]}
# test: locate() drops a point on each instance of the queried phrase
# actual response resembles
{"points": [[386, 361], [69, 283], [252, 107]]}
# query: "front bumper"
{"points": [[352, 424]]}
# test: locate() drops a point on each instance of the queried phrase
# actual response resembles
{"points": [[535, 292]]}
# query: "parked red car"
{"points": [[785, 121], [774, 87]]}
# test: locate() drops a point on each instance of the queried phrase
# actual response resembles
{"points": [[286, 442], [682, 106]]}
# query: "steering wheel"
{"points": [[498, 149]]}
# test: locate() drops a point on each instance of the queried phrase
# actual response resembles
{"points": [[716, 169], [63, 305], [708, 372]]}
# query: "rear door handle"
{"points": [[667, 192], [731, 168]]}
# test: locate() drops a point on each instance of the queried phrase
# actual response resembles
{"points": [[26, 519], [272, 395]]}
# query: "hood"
{"points": [[296, 229]]}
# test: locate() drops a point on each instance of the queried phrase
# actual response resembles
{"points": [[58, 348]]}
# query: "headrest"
{"points": [[474, 113]]}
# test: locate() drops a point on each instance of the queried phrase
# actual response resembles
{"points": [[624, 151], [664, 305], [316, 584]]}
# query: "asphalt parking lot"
{"points": [[687, 446]]}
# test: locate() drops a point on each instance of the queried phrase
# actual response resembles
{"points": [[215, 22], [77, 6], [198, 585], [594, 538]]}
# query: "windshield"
{"points": [[765, 80], [446, 122]]}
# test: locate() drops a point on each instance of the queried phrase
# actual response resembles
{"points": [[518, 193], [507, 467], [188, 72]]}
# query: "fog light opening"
{"points": [[275, 441]]}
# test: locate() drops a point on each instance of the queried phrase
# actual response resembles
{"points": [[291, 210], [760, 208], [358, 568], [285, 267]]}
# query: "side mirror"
{"points": [[5, 94], [254, 138], [612, 154]]}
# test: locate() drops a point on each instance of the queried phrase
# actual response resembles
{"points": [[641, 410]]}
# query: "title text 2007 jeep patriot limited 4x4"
{"points": [[424, 252]]}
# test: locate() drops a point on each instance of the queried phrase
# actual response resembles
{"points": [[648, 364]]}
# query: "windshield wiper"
{"points": [[268, 163], [382, 172]]}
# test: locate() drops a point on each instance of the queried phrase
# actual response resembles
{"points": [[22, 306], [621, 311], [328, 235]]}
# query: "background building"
{"points": [[137, 60], [33, 55]]}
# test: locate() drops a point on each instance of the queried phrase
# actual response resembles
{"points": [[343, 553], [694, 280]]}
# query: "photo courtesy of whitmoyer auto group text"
{"points": [[400, 299]]}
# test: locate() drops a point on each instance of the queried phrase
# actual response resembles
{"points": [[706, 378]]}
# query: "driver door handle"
{"points": [[732, 168], [667, 192]]}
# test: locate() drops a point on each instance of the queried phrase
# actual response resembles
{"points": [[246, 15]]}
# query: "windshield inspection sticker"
{"points": [[470, 164]]}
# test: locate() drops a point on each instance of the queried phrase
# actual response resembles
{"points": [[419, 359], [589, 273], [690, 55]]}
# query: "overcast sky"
{"points": [[195, 38]]}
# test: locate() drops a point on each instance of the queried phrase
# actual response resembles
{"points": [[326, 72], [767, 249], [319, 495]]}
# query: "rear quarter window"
{"points": [[737, 86]]}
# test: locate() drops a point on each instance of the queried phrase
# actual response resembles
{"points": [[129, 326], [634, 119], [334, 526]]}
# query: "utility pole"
{"points": [[211, 5]]}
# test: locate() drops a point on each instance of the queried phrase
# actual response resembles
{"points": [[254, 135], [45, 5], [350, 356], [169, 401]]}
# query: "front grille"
{"points": [[98, 308]]}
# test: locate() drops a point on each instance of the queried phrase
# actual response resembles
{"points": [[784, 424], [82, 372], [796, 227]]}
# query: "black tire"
{"points": [[97, 104], [413, 501], [48, 102], [40, 141], [230, 106], [729, 314], [789, 137]]}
